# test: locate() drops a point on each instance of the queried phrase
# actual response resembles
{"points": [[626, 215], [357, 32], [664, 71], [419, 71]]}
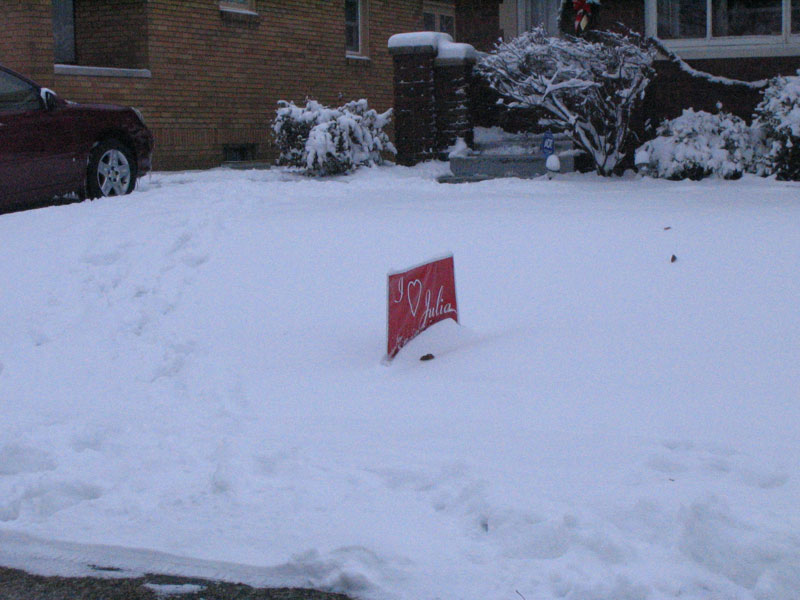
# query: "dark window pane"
{"points": [[351, 11], [352, 38], [239, 152], [64, 31], [681, 19], [352, 25], [429, 21], [447, 24], [16, 94], [746, 17], [795, 16]]}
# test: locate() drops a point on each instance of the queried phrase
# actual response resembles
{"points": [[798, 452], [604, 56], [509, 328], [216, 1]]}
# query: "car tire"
{"points": [[112, 170]]}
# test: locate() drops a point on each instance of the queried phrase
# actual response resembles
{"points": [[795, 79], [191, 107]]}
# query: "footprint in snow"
{"points": [[39, 338], [194, 260], [17, 459], [181, 243], [103, 259], [46, 498]]}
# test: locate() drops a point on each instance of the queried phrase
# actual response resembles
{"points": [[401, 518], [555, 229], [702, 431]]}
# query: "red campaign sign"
{"points": [[418, 298]]}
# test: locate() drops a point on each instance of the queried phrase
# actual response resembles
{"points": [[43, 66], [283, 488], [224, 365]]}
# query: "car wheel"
{"points": [[112, 170]]}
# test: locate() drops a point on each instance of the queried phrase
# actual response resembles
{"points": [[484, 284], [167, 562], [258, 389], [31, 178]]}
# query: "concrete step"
{"points": [[487, 166], [529, 144], [495, 140]]}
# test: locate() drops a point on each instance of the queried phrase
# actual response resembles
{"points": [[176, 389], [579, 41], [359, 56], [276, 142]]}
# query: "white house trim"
{"points": [[756, 46]]}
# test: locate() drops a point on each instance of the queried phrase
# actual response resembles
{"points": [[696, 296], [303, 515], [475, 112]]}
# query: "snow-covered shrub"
{"points": [[328, 141], [699, 144], [778, 115], [588, 86]]}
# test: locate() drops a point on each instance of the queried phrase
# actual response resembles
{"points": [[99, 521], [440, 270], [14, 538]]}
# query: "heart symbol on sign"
{"points": [[417, 291]]}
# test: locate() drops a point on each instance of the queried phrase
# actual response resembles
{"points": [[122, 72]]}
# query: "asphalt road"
{"points": [[18, 585]]}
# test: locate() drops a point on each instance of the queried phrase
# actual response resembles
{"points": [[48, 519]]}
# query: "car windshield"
{"points": [[16, 94]]}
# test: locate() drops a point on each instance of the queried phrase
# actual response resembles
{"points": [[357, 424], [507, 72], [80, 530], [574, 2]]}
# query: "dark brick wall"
{"points": [[454, 116], [617, 15], [478, 23], [674, 90], [414, 106]]}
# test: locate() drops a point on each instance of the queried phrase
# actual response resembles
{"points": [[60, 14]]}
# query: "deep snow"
{"points": [[190, 382]]}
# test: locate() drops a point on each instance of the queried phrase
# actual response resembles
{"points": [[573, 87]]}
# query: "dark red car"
{"points": [[51, 148]]}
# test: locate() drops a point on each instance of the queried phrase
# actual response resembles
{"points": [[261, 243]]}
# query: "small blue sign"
{"points": [[548, 144]]}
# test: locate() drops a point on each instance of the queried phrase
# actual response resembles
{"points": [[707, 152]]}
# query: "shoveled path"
{"points": [[18, 585]]}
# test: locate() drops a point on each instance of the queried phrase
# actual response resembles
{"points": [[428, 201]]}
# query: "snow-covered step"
{"points": [[488, 166], [493, 140], [498, 153]]}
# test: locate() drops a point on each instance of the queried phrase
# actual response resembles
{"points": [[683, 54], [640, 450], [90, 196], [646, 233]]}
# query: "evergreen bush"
{"points": [[329, 141]]}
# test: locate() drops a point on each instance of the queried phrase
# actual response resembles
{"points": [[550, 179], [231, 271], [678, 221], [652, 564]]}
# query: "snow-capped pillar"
{"points": [[453, 77], [414, 95]]}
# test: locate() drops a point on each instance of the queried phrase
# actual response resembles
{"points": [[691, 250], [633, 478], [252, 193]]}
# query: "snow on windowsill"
{"points": [[358, 57], [60, 69], [245, 12]]}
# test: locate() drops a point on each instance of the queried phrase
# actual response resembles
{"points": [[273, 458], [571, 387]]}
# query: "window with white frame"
{"points": [[355, 27], [726, 28], [439, 16]]}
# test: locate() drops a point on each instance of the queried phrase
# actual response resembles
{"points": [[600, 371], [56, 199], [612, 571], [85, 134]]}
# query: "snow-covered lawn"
{"points": [[191, 382]]}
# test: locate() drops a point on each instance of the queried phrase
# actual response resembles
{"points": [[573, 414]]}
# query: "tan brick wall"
{"points": [[111, 33], [26, 38], [216, 79]]}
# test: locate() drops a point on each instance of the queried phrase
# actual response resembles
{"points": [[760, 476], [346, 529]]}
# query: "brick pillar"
{"points": [[432, 107], [414, 103], [454, 116]]}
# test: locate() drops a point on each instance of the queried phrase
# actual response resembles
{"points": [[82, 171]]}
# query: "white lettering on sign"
{"points": [[414, 289], [419, 297], [413, 293], [438, 309]]}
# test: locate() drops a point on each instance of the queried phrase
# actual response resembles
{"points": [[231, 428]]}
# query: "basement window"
{"points": [[239, 152]]}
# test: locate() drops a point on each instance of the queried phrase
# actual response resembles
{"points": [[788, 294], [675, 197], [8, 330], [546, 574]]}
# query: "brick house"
{"points": [[744, 40], [207, 74]]}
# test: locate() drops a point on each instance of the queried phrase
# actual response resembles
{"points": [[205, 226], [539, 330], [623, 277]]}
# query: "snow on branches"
{"points": [[699, 144], [329, 141], [778, 115], [587, 86]]}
